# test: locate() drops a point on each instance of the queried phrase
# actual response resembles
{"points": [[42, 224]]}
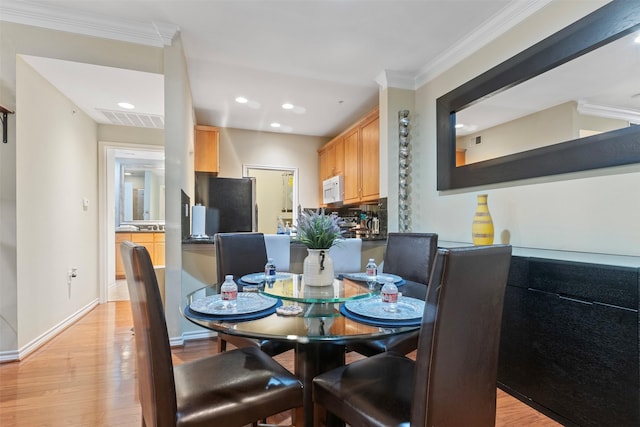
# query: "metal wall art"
{"points": [[404, 223]]}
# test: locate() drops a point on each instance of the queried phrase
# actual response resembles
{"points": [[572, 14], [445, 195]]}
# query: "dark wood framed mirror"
{"points": [[611, 22]]}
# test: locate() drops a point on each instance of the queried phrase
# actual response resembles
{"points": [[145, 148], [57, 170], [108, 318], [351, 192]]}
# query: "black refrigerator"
{"points": [[231, 203]]}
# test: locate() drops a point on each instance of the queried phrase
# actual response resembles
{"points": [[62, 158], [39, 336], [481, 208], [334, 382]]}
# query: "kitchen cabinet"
{"points": [[351, 167], [331, 160], [370, 159], [206, 149], [154, 242], [158, 249], [355, 154], [362, 161]]}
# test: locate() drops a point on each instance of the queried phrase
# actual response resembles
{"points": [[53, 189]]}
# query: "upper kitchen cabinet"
{"points": [[370, 159], [206, 158], [331, 157], [355, 154], [361, 161]]}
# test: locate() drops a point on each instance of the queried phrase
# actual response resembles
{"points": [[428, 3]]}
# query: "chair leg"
{"points": [[222, 345]]}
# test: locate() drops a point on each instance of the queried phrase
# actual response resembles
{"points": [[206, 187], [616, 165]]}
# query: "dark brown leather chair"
{"points": [[239, 254], [453, 380], [410, 256], [234, 388]]}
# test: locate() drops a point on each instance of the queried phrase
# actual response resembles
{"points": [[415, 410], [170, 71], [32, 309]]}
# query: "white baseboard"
{"points": [[33, 345], [191, 336]]}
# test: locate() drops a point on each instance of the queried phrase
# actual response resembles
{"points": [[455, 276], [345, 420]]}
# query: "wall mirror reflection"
{"points": [[139, 187], [583, 97], [593, 139]]}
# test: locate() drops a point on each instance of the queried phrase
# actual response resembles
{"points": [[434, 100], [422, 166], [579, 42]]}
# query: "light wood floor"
{"points": [[86, 377]]}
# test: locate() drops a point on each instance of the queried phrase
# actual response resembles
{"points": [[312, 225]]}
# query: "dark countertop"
{"points": [[210, 241]]}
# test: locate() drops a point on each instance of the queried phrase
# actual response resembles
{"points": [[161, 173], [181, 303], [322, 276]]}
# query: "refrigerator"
{"points": [[231, 203]]}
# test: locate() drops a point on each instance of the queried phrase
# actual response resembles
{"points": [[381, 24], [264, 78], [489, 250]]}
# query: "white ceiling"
{"points": [[327, 57]]}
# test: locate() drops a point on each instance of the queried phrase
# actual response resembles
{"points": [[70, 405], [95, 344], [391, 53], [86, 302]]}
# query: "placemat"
{"points": [[233, 317], [362, 277], [378, 322]]}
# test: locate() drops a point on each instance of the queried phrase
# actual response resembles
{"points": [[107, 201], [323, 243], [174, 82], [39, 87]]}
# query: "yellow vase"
{"points": [[482, 229]]}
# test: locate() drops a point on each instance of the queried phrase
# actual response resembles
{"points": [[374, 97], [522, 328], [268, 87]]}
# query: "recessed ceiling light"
{"points": [[637, 39], [275, 125], [126, 105], [459, 125], [242, 100], [287, 106]]}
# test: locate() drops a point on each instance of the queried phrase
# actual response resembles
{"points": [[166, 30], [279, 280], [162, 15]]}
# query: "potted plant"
{"points": [[318, 232]]}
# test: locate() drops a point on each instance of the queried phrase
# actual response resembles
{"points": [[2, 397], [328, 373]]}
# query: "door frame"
{"points": [[294, 214], [106, 211]]}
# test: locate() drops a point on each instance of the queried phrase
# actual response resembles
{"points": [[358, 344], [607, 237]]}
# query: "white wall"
{"points": [[239, 147], [49, 165], [179, 134], [588, 212], [56, 164]]}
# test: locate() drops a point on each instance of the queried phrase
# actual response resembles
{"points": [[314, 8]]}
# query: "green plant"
{"points": [[316, 230]]}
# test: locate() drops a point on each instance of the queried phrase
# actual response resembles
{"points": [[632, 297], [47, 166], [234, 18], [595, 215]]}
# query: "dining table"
{"points": [[318, 319]]}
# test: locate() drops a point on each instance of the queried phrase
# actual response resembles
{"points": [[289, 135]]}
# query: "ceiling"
{"points": [[327, 58]]}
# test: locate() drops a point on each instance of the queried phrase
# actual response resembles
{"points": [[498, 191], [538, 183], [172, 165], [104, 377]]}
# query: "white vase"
{"points": [[317, 269]]}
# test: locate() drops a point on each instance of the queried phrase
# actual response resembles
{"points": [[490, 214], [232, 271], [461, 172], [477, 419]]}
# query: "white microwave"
{"points": [[333, 189]]}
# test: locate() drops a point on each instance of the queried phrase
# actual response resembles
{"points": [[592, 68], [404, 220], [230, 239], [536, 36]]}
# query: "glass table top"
{"points": [[317, 321], [292, 288]]}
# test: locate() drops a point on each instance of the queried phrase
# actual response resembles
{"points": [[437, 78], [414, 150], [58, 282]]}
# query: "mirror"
{"points": [[140, 190], [598, 148]]}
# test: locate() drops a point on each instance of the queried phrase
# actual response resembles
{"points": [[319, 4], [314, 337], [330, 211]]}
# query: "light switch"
{"points": [[85, 203]]}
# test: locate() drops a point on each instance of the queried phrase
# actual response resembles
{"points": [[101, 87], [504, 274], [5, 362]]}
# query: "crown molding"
{"points": [[396, 79], [158, 34], [506, 19], [632, 116]]}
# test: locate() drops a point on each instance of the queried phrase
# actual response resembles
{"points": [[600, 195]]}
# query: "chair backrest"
{"points": [[157, 392], [346, 255], [279, 248], [239, 254], [457, 360], [411, 255]]}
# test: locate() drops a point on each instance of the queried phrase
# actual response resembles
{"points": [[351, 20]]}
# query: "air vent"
{"points": [[124, 118]]}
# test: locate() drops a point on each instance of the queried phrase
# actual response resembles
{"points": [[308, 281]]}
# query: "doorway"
{"points": [[109, 215], [276, 195]]}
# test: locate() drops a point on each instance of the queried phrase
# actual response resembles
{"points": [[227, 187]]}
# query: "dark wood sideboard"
{"points": [[570, 341]]}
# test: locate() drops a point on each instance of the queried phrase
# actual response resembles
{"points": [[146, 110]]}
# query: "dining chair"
{"points": [[410, 256], [453, 379], [279, 248], [234, 388], [239, 254], [346, 255]]}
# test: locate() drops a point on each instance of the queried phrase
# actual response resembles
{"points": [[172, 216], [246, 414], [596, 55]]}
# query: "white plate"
{"points": [[362, 277], [407, 308], [258, 278], [247, 302]]}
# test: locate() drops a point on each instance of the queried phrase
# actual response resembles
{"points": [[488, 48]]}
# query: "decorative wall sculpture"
{"points": [[404, 223]]}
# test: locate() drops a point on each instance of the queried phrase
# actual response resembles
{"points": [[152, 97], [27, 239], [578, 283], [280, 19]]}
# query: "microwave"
{"points": [[333, 189]]}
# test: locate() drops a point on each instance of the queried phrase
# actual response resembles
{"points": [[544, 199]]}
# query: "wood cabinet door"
{"points": [[370, 153], [158, 250], [206, 146], [338, 157], [351, 168], [146, 240], [323, 158], [120, 237]]}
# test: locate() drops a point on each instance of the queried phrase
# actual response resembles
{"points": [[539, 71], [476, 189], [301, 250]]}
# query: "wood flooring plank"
{"points": [[86, 376]]}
